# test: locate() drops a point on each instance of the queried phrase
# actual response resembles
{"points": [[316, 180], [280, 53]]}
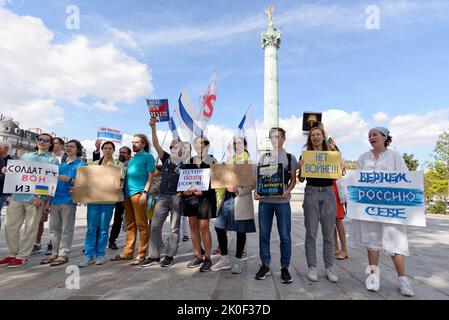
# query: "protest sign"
{"points": [[232, 175], [31, 178], [321, 164], [198, 178], [95, 184], [159, 109], [270, 180], [108, 134], [386, 196]]}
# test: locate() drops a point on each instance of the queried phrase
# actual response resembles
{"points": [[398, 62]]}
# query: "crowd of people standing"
{"points": [[232, 208]]}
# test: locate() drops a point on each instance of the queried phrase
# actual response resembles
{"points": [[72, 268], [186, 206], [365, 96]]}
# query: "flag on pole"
{"points": [[186, 114], [173, 129], [209, 98], [246, 129]]}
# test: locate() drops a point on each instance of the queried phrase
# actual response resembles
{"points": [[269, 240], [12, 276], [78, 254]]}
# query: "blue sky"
{"points": [[328, 61]]}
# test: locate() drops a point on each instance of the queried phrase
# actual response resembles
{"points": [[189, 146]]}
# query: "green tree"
{"points": [[435, 181], [442, 149], [410, 161]]}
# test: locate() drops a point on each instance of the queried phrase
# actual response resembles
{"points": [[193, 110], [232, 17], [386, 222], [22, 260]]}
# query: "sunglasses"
{"points": [[43, 140]]}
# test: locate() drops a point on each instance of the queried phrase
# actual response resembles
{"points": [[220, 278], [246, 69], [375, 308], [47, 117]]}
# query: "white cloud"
{"points": [[125, 38], [380, 117], [33, 69], [418, 130], [38, 113]]}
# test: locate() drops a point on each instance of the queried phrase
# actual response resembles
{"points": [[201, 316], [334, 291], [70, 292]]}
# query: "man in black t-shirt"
{"points": [[170, 201]]}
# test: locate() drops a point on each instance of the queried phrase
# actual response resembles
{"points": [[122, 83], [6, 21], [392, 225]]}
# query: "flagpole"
{"points": [[250, 105]]}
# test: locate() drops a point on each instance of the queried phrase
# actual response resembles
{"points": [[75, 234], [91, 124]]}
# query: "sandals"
{"points": [[341, 256], [48, 260], [120, 258], [59, 261], [137, 261]]}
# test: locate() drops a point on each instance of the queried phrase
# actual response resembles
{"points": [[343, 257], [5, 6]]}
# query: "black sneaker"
{"points": [[167, 262], [149, 262], [195, 262], [185, 238], [285, 276], [36, 249], [263, 272], [205, 267], [49, 249], [113, 246]]}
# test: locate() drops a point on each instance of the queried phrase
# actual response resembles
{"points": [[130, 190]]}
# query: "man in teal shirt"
{"points": [[28, 208], [139, 175]]}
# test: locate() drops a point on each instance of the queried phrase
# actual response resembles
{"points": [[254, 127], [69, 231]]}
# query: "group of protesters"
{"points": [[150, 196]]}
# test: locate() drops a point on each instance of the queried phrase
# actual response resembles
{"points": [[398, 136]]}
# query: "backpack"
{"points": [[288, 171]]}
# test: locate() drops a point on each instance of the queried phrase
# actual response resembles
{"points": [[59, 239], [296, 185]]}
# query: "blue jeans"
{"points": [[283, 217], [98, 217]]}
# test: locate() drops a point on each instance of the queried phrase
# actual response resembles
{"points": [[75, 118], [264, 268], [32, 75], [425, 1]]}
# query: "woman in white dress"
{"points": [[376, 236]]}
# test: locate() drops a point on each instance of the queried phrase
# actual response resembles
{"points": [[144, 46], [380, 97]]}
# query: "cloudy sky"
{"points": [[74, 80]]}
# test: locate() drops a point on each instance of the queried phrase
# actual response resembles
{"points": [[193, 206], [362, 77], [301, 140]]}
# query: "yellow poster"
{"points": [[321, 164]]}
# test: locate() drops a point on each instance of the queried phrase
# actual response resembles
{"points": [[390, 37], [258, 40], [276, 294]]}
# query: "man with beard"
{"points": [[169, 201], [139, 175]]}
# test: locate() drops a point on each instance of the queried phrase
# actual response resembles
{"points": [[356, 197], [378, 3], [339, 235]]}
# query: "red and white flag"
{"points": [[208, 103]]}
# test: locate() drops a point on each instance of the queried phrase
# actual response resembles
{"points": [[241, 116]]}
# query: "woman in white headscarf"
{"points": [[378, 236]]}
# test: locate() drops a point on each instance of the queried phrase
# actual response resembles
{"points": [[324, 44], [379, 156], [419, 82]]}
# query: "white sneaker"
{"points": [[404, 285], [312, 275], [86, 261], [223, 264], [331, 275], [100, 260], [372, 283], [237, 266]]}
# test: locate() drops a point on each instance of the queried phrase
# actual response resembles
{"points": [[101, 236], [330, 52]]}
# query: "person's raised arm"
{"points": [[154, 138]]}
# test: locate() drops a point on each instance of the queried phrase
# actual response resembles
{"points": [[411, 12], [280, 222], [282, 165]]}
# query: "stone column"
{"points": [[271, 40]]}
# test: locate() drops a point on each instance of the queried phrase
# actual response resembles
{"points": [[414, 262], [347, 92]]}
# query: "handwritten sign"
{"points": [[386, 196], [321, 164], [198, 178], [232, 175], [95, 184], [31, 178], [159, 109], [108, 134], [270, 180]]}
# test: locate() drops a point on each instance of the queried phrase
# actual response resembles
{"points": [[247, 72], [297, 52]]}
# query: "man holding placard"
{"points": [[27, 208], [278, 205]]}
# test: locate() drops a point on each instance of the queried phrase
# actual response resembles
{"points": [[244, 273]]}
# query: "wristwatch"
{"points": [[144, 191]]}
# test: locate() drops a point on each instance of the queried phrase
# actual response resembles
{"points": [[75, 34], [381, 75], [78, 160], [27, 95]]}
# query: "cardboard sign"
{"points": [[198, 178], [270, 180], [232, 175], [31, 178], [95, 184], [159, 109], [108, 134], [386, 196], [321, 164]]}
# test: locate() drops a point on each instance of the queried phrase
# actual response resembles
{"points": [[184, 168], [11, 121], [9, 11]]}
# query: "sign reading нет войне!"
{"points": [[197, 178], [321, 164], [31, 178], [386, 196]]}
